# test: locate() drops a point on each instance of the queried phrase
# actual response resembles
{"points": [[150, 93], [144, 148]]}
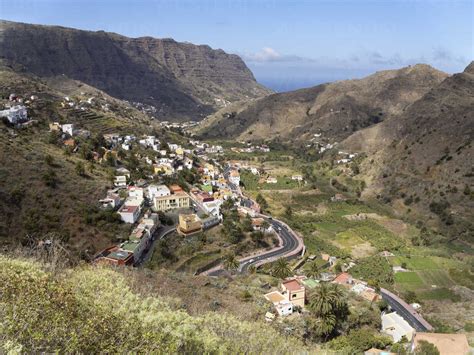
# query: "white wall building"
{"points": [[396, 327], [15, 114], [120, 181], [129, 214], [158, 191], [234, 177], [284, 308], [68, 128]]}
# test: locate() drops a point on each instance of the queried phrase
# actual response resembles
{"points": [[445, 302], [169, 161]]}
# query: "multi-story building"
{"points": [[189, 224], [129, 214], [158, 191], [179, 199], [294, 292]]}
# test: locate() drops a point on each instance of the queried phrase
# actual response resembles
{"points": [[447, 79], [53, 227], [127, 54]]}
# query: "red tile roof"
{"points": [[128, 209], [342, 278], [292, 285]]}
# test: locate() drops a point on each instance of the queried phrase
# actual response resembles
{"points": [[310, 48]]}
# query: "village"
{"points": [[156, 206]]}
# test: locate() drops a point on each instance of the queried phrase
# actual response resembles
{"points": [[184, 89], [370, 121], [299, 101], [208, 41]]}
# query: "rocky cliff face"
{"points": [[336, 110], [182, 80]]}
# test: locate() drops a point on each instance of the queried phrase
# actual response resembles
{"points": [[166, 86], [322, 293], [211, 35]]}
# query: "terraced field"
{"points": [[427, 276]]}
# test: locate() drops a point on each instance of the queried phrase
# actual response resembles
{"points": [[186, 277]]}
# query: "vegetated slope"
{"points": [[94, 310], [336, 110], [43, 198], [181, 80], [423, 160]]}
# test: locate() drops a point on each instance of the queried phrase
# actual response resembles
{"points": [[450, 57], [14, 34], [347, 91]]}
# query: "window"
{"points": [[294, 295]]}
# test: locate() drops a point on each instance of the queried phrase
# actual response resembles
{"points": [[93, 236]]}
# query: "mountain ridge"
{"points": [[334, 109], [181, 80]]}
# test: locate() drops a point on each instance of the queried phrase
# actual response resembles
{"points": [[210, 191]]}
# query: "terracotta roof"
{"points": [[128, 209], [292, 285], [447, 344], [175, 188], [342, 278]]}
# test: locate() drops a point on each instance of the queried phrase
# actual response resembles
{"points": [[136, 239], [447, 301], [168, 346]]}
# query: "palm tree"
{"points": [[313, 270], [281, 269], [322, 300], [328, 305], [231, 262]]}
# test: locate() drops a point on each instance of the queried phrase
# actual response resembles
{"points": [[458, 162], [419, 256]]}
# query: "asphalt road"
{"points": [[403, 312], [160, 233], [288, 240]]}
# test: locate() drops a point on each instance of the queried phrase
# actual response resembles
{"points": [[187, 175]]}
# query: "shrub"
{"points": [[93, 310], [374, 268], [358, 341], [49, 178]]}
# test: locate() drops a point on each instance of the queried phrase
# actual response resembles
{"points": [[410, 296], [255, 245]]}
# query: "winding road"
{"points": [[291, 245]]}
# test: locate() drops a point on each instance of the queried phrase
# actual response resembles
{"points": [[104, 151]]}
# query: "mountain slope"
{"points": [[44, 197], [181, 80], [423, 159], [336, 110], [98, 310]]}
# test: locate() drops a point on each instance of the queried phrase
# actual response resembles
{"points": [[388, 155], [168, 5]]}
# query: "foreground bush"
{"points": [[91, 309]]}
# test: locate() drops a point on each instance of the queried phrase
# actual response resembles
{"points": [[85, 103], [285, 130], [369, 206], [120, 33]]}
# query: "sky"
{"points": [[287, 44]]}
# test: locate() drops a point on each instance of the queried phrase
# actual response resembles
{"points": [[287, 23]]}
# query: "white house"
{"points": [[15, 114], [234, 177], [254, 171], [284, 308], [120, 181], [158, 191], [68, 128], [129, 214], [188, 163], [396, 327], [212, 208], [134, 191], [126, 146], [297, 177], [112, 200]]}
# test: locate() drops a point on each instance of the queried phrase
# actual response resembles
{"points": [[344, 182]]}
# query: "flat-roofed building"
{"points": [[115, 256], [397, 327], [158, 191], [189, 224], [129, 214], [174, 201]]}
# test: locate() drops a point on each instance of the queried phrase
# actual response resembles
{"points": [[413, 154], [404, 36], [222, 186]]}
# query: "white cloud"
{"points": [[268, 54]]}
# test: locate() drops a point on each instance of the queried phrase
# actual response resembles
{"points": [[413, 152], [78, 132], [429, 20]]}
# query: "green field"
{"points": [[408, 277], [440, 294], [427, 272], [251, 182]]}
